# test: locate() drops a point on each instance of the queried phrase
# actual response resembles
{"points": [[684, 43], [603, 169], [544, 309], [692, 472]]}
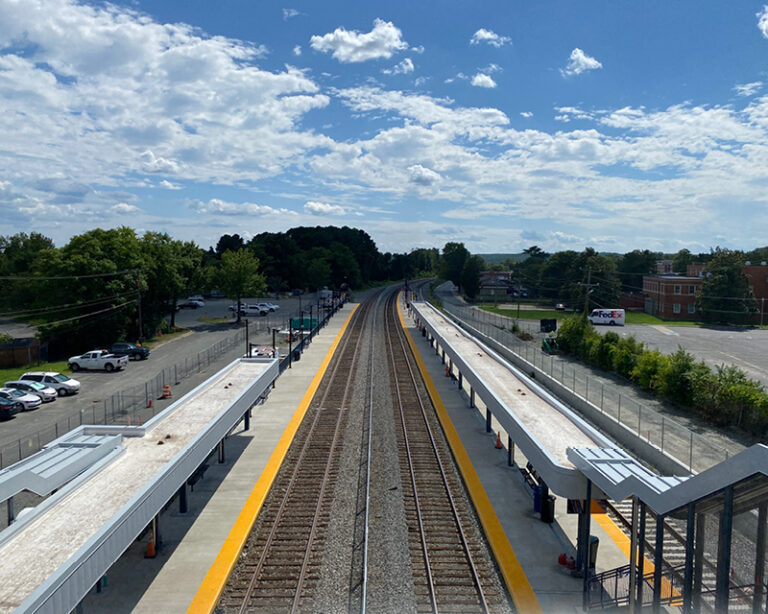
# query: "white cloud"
{"points": [[403, 68], [167, 185], [124, 209], [526, 114], [317, 208], [422, 175], [481, 80], [418, 49], [289, 13], [297, 50], [762, 21], [352, 46], [217, 206], [748, 89], [490, 69], [490, 37], [155, 164], [578, 63]]}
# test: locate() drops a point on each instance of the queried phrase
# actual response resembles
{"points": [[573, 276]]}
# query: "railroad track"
{"points": [[278, 570], [450, 571], [309, 548]]}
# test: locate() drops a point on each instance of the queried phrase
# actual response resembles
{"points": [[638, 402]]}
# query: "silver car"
{"points": [[29, 401], [45, 393]]}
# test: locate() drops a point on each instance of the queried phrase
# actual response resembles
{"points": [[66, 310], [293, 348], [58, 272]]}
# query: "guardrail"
{"points": [[692, 450]]}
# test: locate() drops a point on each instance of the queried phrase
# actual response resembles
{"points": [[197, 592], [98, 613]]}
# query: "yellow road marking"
{"points": [[210, 590], [514, 576]]}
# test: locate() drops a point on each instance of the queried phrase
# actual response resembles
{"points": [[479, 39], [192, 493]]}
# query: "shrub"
{"points": [[649, 369], [576, 334], [675, 382], [625, 355], [5, 338], [602, 352]]}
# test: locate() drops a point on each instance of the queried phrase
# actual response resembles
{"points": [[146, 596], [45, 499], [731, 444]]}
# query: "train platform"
{"points": [[225, 496], [195, 543], [536, 544]]}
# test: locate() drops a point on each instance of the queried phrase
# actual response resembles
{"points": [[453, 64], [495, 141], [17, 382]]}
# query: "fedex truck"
{"points": [[612, 317]]}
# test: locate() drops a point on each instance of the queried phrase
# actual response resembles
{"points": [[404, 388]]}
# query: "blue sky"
{"points": [[500, 124]]}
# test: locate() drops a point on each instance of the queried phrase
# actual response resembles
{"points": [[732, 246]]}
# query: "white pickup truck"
{"points": [[97, 359]]}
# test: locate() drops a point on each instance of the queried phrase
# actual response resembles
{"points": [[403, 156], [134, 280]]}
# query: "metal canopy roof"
{"points": [[58, 463], [620, 476]]}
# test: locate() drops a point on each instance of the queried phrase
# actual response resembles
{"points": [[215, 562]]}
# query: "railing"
{"points": [[690, 449], [610, 588]]}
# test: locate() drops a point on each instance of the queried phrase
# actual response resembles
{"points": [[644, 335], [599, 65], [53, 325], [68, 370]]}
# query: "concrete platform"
{"points": [[192, 541], [536, 544]]}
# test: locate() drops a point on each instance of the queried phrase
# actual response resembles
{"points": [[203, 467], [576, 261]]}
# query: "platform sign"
{"points": [[305, 323]]}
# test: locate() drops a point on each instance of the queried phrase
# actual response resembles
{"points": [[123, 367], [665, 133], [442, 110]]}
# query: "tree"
{"points": [[452, 264], [681, 260], [725, 295], [232, 243], [470, 276], [238, 276], [633, 265]]}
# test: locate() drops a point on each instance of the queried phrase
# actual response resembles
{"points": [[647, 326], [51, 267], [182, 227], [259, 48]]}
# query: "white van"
{"points": [[612, 317]]}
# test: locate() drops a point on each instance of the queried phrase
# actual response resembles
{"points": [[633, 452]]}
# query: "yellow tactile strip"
{"points": [[208, 594], [517, 583]]}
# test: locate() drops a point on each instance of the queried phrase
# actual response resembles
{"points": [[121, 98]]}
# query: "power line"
{"points": [[63, 307], [87, 315], [56, 277]]}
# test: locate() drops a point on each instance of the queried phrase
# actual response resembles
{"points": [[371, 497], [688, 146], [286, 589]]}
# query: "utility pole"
{"points": [[138, 292], [588, 290]]}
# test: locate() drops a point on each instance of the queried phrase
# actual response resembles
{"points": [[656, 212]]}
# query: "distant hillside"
{"points": [[502, 258]]}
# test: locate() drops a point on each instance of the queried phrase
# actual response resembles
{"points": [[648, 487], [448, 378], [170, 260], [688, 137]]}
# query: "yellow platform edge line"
{"points": [[625, 545], [517, 582], [210, 590]]}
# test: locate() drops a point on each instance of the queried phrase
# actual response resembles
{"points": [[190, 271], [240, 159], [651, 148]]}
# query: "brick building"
{"points": [[757, 274], [672, 297]]}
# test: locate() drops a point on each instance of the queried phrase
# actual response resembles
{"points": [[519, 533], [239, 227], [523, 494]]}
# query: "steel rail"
{"points": [[363, 598], [399, 334], [295, 473]]}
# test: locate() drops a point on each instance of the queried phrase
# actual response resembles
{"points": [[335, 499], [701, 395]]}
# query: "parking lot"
{"points": [[98, 387]]}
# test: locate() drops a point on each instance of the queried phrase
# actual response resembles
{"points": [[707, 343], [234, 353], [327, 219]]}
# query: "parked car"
{"points": [[97, 359], [271, 306], [191, 303], [62, 384], [259, 309], [560, 307], [28, 401], [45, 393], [8, 408], [137, 352]]}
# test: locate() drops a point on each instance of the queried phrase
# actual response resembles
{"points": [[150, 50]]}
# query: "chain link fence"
{"points": [[136, 405], [689, 448]]}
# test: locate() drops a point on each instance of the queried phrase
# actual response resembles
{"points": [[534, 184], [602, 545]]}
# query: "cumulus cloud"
{"points": [[422, 176], [124, 209], [418, 49], [747, 89], [481, 80], [526, 114], [217, 206], [762, 21], [297, 50], [167, 185], [349, 46], [403, 68], [490, 37], [289, 13], [155, 164], [578, 63], [317, 208]]}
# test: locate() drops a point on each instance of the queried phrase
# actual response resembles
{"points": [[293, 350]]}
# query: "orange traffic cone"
{"points": [[499, 445], [151, 553], [149, 403], [447, 371]]}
